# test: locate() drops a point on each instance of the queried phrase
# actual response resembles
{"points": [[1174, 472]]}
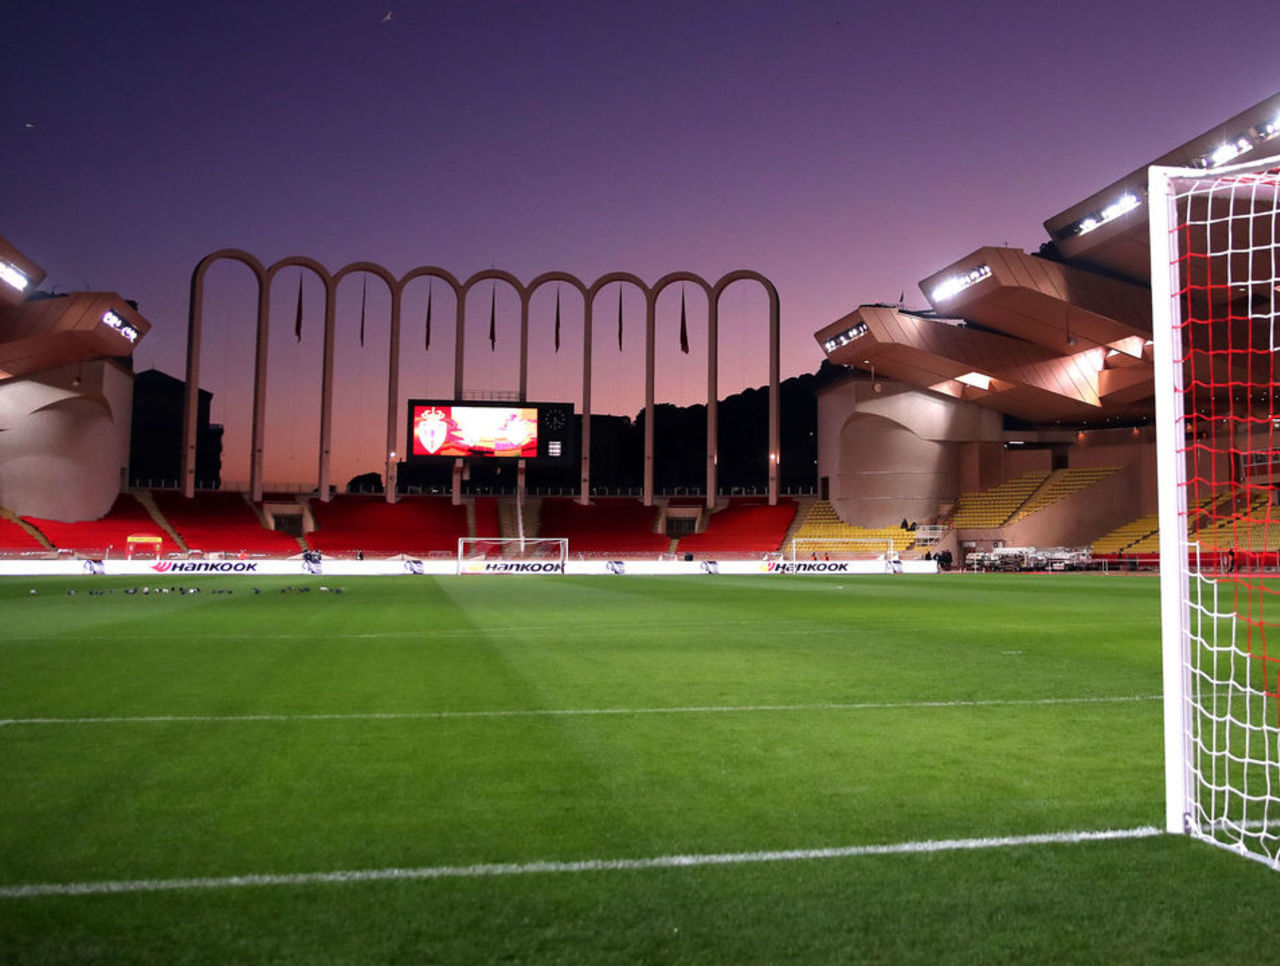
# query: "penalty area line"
{"points": [[576, 712], [551, 868]]}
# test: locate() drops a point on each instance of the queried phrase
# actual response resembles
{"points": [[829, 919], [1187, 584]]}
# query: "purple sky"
{"points": [[844, 149]]}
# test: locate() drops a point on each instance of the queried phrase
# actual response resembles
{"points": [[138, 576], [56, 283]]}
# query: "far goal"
{"points": [[500, 555], [1216, 344], [840, 548]]}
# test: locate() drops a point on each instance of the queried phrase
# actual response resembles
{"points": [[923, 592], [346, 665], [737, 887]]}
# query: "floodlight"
{"points": [[1268, 129], [13, 277], [845, 337], [1125, 203], [958, 283], [1225, 152], [113, 321]]}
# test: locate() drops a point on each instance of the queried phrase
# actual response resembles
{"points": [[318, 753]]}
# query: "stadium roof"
{"points": [[969, 362], [43, 333], [1109, 228], [40, 331], [19, 275], [1063, 336]]}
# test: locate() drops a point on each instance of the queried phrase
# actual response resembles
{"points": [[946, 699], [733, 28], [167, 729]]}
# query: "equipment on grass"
{"points": [[502, 555], [1216, 333]]}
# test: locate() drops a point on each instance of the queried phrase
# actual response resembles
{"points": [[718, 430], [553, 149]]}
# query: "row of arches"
{"points": [[265, 275]]}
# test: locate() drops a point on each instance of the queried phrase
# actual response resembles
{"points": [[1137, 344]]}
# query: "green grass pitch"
{"points": [[429, 723]]}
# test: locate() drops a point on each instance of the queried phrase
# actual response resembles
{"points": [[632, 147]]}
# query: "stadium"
{"points": [[697, 726]]}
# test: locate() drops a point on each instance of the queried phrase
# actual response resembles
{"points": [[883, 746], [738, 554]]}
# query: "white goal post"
{"points": [[503, 555], [1215, 269], [839, 548]]}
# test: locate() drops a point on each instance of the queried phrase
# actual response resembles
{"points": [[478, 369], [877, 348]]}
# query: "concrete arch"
{"points": [[549, 278], [575, 283], [195, 327], [299, 261], [713, 374], [429, 271], [261, 362], [370, 268], [393, 381], [596, 287], [651, 326], [496, 275]]}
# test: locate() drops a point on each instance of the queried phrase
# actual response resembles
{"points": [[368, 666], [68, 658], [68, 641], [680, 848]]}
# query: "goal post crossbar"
{"points": [[840, 548]]}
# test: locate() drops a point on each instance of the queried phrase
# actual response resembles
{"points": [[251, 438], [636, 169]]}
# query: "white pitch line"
{"points": [[575, 712], [546, 868]]}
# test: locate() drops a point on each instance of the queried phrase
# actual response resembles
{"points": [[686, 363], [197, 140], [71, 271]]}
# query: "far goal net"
{"points": [[1216, 340], [840, 548], [497, 555]]}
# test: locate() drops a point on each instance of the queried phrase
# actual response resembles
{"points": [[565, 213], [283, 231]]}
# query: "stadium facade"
{"points": [[66, 394], [1022, 363]]}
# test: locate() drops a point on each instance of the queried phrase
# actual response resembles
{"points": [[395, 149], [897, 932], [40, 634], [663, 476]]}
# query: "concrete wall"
{"points": [[900, 452], [1122, 447], [64, 440], [1081, 518]]}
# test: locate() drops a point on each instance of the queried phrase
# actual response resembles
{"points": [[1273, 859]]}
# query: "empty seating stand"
{"points": [[15, 538], [108, 536], [417, 526], [613, 525], [745, 526], [994, 507], [823, 532], [221, 522]]}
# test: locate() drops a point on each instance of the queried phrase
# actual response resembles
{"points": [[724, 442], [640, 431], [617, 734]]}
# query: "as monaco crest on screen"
{"points": [[430, 430]]}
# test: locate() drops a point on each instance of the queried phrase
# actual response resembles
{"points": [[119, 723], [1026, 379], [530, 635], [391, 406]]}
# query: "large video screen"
{"points": [[446, 428]]}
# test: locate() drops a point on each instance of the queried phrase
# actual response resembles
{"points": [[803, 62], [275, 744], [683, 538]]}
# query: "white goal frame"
{"points": [[860, 548], [512, 555], [1221, 721]]}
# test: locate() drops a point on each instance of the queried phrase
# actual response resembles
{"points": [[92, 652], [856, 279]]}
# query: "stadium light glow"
{"points": [[13, 277], [1225, 152], [845, 337], [958, 283], [1125, 203], [1268, 129], [113, 321]]}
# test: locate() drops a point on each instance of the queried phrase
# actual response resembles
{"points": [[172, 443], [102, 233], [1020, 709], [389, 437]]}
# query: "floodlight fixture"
{"points": [[113, 321], [1224, 153], [1268, 129], [844, 338], [1125, 203], [12, 276], [956, 284]]}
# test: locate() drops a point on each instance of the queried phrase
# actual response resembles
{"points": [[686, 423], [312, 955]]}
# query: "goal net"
{"points": [[1216, 335], [498, 555], [840, 548]]}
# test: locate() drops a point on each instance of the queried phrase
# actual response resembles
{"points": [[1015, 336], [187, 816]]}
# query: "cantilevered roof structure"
{"points": [[1109, 228], [970, 362], [1061, 336], [19, 275], [40, 331]]}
